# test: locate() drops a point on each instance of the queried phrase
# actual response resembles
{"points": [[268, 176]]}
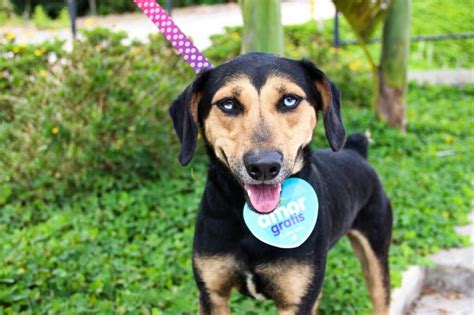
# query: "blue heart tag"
{"points": [[292, 222]]}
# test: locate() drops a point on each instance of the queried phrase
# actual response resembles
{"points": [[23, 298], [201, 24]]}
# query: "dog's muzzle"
{"points": [[263, 166]]}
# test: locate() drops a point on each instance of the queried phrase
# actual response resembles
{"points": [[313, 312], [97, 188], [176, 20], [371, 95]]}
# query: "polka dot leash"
{"points": [[175, 36]]}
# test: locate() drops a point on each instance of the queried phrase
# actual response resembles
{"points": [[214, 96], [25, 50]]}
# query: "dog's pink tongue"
{"points": [[264, 198]]}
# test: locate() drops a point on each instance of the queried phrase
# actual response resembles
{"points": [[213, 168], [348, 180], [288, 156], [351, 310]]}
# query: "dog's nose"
{"points": [[263, 165]]}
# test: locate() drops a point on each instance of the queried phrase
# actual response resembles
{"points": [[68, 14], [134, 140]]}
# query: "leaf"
{"points": [[363, 15]]}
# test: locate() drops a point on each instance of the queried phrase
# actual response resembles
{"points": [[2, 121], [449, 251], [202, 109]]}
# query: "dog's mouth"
{"points": [[263, 198]]}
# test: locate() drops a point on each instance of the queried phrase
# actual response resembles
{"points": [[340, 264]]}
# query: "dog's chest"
{"points": [[283, 281], [249, 284]]}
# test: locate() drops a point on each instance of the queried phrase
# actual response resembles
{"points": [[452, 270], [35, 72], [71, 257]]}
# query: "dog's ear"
{"points": [[330, 105], [184, 113]]}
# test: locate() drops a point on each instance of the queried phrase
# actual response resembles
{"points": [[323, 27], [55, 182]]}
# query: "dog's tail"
{"points": [[358, 142]]}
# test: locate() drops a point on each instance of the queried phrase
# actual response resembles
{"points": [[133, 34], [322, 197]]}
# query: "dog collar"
{"points": [[292, 222]]}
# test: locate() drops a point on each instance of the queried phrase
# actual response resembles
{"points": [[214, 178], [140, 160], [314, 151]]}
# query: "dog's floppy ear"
{"points": [[331, 105], [184, 113]]}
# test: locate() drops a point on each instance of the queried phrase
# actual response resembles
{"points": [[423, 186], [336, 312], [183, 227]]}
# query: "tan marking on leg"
{"points": [[372, 271], [218, 274], [288, 311], [289, 281], [318, 301]]}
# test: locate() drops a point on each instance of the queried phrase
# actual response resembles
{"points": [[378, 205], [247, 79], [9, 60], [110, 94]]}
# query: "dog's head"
{"points": [[257, 113]]}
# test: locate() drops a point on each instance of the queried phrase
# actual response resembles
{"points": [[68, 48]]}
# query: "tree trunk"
{"points": [[392, 72], [27, 12], [93, 7], [263, 31]]}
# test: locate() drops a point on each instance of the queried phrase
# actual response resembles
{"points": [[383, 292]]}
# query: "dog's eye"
{"points": [[229, 106], [290, 101]]}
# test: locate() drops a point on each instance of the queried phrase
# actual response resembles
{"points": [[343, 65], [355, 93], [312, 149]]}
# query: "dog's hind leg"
{"points": [[316, 305], [370, 238]]}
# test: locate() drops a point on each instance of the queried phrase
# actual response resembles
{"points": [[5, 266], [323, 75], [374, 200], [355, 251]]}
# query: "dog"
{"points": [[256, 114]]}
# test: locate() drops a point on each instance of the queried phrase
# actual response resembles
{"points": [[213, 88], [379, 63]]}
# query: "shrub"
{"points": [[42, 21], [6, 10], [19, 63], [40, 18], [104, 110], [54, 7]]}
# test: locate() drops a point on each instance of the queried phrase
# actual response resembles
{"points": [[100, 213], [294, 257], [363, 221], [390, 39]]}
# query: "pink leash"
{"points": [[174, 35]]}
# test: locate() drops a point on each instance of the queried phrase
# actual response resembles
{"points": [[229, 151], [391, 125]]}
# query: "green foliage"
{"points": [[442, 17], [19, 64], [363, 16], [96, 215], [429, 17], [54, 7], [42, 21], [40, 18], [84, 114], [6, 7], [6, 11]]}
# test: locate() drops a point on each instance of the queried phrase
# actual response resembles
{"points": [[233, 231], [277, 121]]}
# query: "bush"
{"points": [[40, 18], [105, 109], [21, 62], [54, 7], [6, 10]]}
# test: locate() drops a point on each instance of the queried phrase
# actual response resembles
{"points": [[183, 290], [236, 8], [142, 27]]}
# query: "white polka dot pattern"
{"points": [[175, 36]]}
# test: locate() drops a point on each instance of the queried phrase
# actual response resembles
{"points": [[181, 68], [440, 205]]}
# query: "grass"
{"points": [[113, 250]]}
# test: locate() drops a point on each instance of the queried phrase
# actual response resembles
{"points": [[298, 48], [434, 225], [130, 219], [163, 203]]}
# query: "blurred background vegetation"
{"points": [[54, 7], [96, 215]]}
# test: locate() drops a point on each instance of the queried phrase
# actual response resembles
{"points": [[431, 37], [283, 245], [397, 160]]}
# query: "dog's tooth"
{"points": [[249, 193]]}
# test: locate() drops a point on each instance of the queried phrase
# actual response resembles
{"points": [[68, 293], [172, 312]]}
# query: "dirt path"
{"points": [[445, 76]]}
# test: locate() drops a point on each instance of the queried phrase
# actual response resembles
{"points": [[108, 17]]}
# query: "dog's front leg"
{"points": [[293, 285], [215, 276], [213, 304]]}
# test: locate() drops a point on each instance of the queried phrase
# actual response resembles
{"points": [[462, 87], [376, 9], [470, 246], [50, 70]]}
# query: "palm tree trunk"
{"points": [[392, 72], [27, 12], [93, 7], [263, 31]]}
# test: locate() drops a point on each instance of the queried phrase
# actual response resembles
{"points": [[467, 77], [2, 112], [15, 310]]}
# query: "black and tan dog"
{"points": [[257, 114]]}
